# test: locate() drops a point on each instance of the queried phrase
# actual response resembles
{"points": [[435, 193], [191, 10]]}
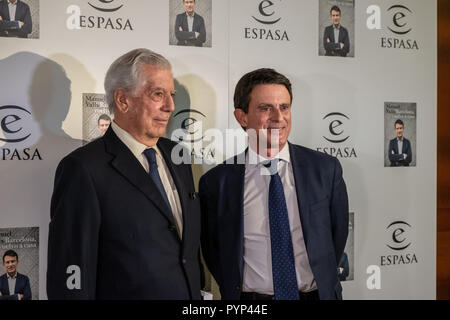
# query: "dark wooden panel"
{"points": [[443, 153]]}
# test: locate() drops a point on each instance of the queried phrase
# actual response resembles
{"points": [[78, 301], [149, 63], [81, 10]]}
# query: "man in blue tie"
{"points": [[125, 219], [275, 218]]}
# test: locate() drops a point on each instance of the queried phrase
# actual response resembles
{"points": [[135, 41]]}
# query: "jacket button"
{"points": [[184, 261], [238, 288]]}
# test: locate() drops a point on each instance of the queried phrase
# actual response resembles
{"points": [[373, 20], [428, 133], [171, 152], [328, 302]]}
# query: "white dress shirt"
{"points": [[137, 149], [12, 10], [400, 145], [12, 283], [336, 33], [190, 20], [257, 276]]}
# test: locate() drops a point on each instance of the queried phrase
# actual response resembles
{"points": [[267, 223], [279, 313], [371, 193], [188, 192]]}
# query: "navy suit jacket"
{"points": [[186, 38], [397, 160], [22, 14], [109, 219], [22, 287], [323, 206], [334, 49]]}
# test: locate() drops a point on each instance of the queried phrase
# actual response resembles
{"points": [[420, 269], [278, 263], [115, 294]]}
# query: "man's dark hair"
{"points": [[246, 84], [103, 117], [335, 8], [398, 121], [10, 253]]}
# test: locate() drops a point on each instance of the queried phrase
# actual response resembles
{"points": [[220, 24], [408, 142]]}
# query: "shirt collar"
{"points": [[12, 4], [135, 146], [13, 277], [187, 14]]}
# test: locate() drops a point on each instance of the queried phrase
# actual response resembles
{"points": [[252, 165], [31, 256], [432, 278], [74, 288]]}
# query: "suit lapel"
{"points": [[5, 10], [5, 284], [128, 166], [299, 167]]}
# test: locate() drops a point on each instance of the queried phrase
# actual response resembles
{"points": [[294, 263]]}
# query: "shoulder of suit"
{"points": [[198, 16], [88, 152], [308, 155], [221, 170], [165, 142], [20, 275]]}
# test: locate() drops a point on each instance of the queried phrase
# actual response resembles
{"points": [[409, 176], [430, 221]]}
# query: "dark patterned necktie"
{"points": [[150, 154], [283, 264]]}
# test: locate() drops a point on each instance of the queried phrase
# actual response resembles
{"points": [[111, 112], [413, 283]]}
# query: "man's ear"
{"points": [[122, 101], [241, 117]]}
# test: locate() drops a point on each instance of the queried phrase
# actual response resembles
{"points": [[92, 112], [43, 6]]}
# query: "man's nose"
{"points": [[169, 104], [275, 115]]}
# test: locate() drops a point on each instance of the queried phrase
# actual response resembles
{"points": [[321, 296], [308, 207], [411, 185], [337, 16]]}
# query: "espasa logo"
{"points": [[399, 21], [77, 20], [335, 127], [13, 120], [267, 16], [398, 233], [336, 123]]}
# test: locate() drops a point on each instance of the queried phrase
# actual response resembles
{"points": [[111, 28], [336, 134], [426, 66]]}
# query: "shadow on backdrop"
{"points": [[35, 97]]}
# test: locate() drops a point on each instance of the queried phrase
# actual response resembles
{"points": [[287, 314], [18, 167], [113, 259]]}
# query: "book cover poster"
{"points": [[25, 242], [400, 134], [347, 261], [96, 116]]}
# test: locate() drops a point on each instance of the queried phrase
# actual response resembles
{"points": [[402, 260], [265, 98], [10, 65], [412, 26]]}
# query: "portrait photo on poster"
{"points": [[190, 23], [346, 264], [96, 116], [400, 134], [337, 28], [19, 19], [19, 249]]}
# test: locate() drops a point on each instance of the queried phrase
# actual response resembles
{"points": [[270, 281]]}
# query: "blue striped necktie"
{"points": [[283, 264], [150, 154]]}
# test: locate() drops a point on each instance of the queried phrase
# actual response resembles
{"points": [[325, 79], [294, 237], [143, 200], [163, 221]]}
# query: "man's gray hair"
{"points": [[124, 72]]}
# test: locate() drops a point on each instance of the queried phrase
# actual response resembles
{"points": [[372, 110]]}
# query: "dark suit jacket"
{"points": [[334, 49], [22, 287], [323, 206], [186, 38], [109, 218], [22, 14], [396, 158]]}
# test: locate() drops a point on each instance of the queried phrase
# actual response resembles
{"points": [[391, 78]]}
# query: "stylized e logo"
{"points": [[263, 10], [105, 9], [399, 14], [9, 123], [335, 127], [398, 230]]}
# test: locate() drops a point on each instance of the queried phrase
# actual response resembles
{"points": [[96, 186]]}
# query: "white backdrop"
{"points": [[48, 76]]}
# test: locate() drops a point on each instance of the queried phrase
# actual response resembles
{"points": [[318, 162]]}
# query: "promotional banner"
{"points": [[367, 97]]}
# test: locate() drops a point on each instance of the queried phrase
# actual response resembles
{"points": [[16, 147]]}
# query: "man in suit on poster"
{"points": [[400, 154], [15, 19], [190, 26], [125, 220], [335, 38], [13, 285], [274, 218]]}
